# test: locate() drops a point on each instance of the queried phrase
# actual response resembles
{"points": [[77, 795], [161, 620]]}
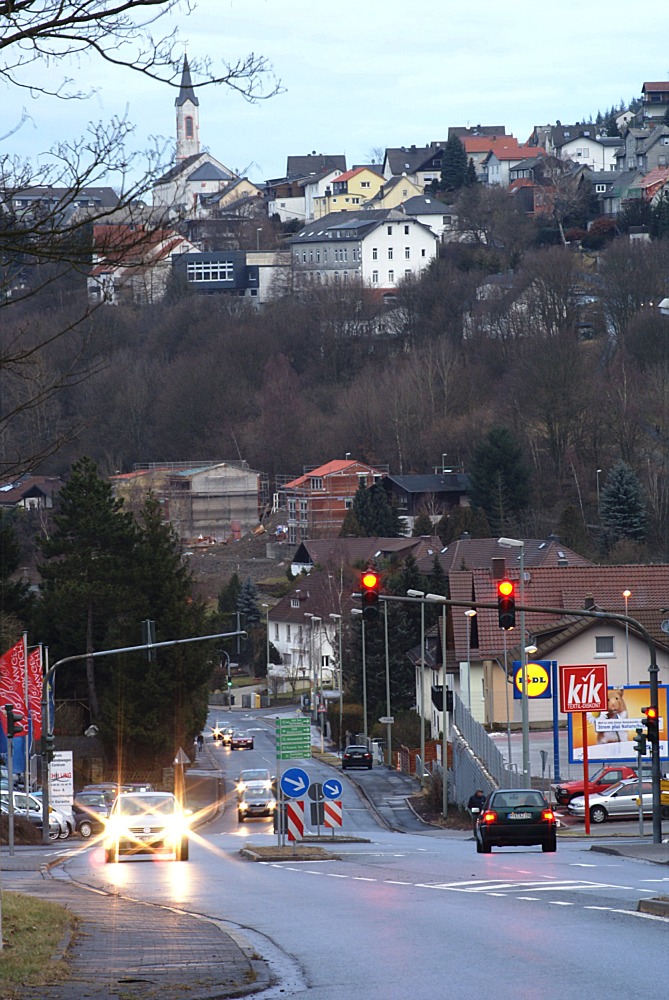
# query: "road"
{"points": [[414, 914]]}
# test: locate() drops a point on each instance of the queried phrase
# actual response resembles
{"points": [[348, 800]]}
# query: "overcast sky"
{"points": [[360, 76]]}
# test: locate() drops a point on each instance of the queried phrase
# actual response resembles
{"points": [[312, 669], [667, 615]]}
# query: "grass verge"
{"points": [[32, 931]]}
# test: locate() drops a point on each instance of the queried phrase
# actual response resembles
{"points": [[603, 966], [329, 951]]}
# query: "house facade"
{"points": [[316, 502], [434, 493], [375, 248], [131, 264], [287, 197], [349, 192]]}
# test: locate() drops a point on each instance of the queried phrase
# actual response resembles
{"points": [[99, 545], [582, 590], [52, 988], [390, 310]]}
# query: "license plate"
{"points": [[519, 816]]}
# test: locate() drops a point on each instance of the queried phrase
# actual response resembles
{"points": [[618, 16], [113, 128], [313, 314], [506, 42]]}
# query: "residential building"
{"points": [[132, 264], [441, 218], [338, 554], [582, 143], [394, 192], [316, 502], [349, 191], [655, 101], [218, 501], [478, 147], [259, 276], [60, 204], [375, 248], [420, 164], [432, 493], [287, 196], [497, 163], [30, 492], [644, 149]]}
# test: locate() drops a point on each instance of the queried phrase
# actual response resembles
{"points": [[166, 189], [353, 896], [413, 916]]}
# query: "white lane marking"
{"points": [[559, 902], [392, 881], [360, 878]]}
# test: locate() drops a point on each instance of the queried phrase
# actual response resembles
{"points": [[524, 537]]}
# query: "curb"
{"points": [[657, 907]]}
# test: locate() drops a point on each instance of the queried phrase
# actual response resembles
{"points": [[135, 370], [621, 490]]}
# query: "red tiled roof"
{"points": [[353, 173], [329, 469], [482, 143]]}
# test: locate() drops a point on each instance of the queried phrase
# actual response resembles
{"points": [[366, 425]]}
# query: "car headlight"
{"points": [[243, 806]]}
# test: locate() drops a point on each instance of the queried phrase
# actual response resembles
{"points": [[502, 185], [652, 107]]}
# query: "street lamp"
{"points": [[258, 232], [421, 683], [627, 594], [358, 611], [598, 472], [469, 614], [337, 618], [269, 683], [517, 543], [312, 679], [437, 598]]}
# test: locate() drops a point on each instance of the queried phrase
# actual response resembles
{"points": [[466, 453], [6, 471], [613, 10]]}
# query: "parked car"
{"points": [[255, 802], [602, 780], [90, 811], [241, 741], [64, 816], [515, 817], [31, 807], [146, 823], [356, 756], [255, 777], [615, 803]]}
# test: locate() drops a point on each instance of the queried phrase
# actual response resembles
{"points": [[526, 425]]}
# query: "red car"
{"points": [[604, 779], [241, 741]]}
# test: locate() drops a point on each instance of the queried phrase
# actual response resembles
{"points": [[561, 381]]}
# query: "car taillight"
{"points": [[548, 815], [489, 816]]}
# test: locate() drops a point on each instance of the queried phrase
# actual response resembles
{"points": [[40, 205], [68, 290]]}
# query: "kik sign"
{"points": [[583, 688]]}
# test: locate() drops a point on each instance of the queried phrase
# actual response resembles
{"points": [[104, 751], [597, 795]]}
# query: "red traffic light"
{"points": [[370, 580], [652, 723], [506, 604], [505, 588], [369, 586]]}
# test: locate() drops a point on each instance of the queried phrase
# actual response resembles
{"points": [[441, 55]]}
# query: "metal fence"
{"points": [[477, 763]]}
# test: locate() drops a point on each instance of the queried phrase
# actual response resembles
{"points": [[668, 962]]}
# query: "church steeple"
{"points": [[188, 116]]}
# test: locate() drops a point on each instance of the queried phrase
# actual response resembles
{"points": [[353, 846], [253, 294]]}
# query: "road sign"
{"points": [[583, 688], [538, 684], [332, 788], [295, 819], [387, 720], [292, 722], [293, 738], [294, 782], [316, 792], [333, 815]]}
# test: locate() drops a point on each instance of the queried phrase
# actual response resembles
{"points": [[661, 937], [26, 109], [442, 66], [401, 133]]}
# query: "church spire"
{"points": [[188, 116]]}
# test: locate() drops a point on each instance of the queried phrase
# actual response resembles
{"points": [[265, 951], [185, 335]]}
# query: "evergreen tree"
{"points": [[362, 510], [86, 577], [572, 531], [351, 526], [499, 480], [14, 594], [623, 504], [659, 225], [248, 605], [373, 512], [454, 523], [454, 165], [422, 525], [437, 580], [228, 597], [470, 176]]}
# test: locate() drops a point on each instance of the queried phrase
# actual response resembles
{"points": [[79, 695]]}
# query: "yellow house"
{"points": [[349, 192], [395, 192]]}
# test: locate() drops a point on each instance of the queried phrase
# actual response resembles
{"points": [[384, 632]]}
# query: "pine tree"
{"points": [[623, 504], [248, 606], [499, 480], [362, 510], [454, 165], [422, 525]]}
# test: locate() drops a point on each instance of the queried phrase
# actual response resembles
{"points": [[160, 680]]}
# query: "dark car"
{"points": [[241, 741], [515, 817], [356, 756], [90, 810], [255, 802]]}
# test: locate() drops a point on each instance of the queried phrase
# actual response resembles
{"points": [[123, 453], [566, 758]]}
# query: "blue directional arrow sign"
{"points": [[332, 788], [294, 782]]}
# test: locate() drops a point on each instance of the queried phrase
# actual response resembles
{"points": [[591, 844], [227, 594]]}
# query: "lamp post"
{"points": [[358, 611], [337, 618], [311, 663], [269, 696], [598, 472], [258, 232], [627, 594], [517, 543], [421, 682], [469, 613]]}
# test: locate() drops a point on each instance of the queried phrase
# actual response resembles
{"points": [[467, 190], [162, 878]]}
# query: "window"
{"points": [[355, 201], [390, 230], [304, 256], [311, 256], [375, 277], [210, 270], [375, 253], [318, 256], [276, 631], [407, 273], [603, 645], [390, 253], [407, 253], [288, 633], [423, 252], [189, 127], [325, 255], [294, 602], [391, 275], [406, 230], [600, 188], [300, 633], [316, 483]]}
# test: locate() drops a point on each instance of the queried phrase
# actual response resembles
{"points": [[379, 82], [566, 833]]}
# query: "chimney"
{"points": [[589, 602], [498, 567]]}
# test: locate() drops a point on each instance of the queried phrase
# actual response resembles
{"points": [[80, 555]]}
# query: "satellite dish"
{"points": [[665, 625]]}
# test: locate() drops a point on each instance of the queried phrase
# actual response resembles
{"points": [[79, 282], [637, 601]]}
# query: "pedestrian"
{"points": [[200, 741], [475, 805]]}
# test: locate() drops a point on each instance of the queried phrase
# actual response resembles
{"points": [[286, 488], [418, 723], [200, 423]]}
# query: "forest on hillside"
{"points": [[566, 351]]}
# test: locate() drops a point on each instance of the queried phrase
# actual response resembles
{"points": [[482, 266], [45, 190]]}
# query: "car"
{"points": [[226, 735], [146, 823], [255, 777], [255, 802], [63, 815], [601, 781], [356, 756], [241, 741], [90, 811], [617, 802], [31, 807], [515, 817]]}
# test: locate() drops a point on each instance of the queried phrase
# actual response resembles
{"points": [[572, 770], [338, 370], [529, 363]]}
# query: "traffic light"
{"points": [[369, 589], [15, 726], [506, 604], [640, 742], [652, 724], [48, 747]]}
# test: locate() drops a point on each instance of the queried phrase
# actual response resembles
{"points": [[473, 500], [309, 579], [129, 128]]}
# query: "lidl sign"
{"points": [[538, 674]]}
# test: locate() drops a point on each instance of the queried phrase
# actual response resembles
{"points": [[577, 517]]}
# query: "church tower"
{"points": [[188, 117]]}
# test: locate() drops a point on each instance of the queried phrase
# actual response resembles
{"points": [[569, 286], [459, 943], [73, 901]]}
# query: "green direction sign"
{"points": [[293, 722], [293, 738]]}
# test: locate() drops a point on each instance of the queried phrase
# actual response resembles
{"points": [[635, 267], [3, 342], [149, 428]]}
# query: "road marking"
{"points": [[360, 878], [495, 887], [559, 902], [392, 881]]}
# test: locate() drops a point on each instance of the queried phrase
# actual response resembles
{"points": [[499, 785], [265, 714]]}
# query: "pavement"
{"points": [[136, 951]]}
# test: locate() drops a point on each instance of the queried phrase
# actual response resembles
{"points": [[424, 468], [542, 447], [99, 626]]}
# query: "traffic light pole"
{"points": [[653, 669], [146, 647]]}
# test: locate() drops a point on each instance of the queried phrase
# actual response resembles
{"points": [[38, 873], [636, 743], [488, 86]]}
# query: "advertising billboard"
{"points": [[611, 733]]}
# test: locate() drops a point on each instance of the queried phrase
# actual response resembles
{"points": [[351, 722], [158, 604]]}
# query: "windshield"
{"points": [[258, 775], [130, 805]]}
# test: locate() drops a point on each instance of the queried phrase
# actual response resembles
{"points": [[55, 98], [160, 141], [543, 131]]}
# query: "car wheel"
{"points": [[369, 768], [182, 850], [85, 829], [598, 814], [549, 846], [479, 847], [486, 849], [54, 834]]}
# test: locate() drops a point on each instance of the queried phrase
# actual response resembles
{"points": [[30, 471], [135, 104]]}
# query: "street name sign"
{"points": [[583, 688]]}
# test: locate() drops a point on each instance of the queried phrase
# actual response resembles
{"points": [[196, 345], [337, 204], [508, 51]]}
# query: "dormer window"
{"points": [[316, 483], [294, 602]]}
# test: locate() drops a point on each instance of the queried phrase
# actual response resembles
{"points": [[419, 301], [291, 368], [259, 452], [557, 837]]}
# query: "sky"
{"points": [[360, 76]]}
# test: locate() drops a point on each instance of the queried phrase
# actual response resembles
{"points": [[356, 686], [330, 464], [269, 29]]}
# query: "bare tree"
{"points": [[45, 237]]}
